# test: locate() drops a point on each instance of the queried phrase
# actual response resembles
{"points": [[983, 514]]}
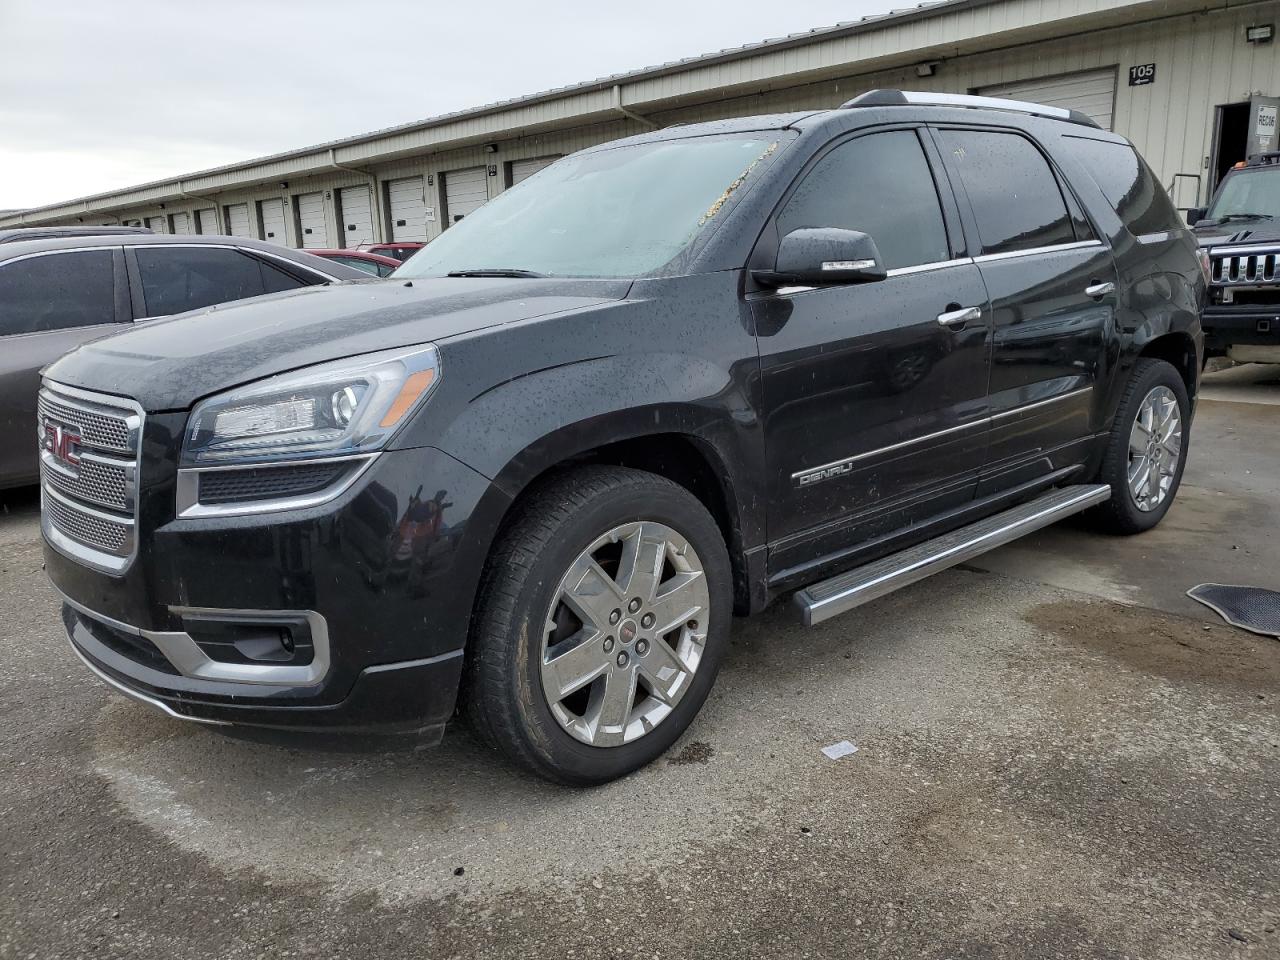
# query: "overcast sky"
{"points": [[101, 94]]}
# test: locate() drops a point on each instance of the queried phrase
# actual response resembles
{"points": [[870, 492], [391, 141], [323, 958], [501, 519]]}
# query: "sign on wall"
{"points": [[1142, 74]]}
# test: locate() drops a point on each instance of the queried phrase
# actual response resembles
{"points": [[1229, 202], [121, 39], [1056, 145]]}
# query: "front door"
{"points": [[875, 393], [1053, 300]]}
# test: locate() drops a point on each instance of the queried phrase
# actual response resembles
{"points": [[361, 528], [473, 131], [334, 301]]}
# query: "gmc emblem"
{"points": [[63, 443]]}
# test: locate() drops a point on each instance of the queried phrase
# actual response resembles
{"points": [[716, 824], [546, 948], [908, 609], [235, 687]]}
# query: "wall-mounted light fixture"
{"points": [[927, 69], [284, 184], [1260, 33], [490, 148]]}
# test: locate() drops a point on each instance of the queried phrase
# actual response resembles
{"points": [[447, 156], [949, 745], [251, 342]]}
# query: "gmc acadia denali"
{"points": [[534, 474]]}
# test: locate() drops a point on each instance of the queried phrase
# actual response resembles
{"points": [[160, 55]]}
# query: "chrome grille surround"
{"points": [[1244, 266], [89, 507]]}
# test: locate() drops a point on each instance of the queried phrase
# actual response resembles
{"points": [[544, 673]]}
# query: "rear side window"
{"points": [[175, 279], [57, 291], [1127, 183], [879, 184], [274, 279], [1015, 196]]}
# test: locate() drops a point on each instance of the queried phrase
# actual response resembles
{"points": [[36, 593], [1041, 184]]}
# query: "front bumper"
{"points": [[379, 599], [1226, 327]]}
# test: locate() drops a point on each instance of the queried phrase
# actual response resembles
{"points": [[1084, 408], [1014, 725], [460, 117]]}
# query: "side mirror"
{"points": [[1195, 215], [820, 256]]}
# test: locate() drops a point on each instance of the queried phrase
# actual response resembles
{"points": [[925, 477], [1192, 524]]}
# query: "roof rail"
{"points": [[911, 98]]}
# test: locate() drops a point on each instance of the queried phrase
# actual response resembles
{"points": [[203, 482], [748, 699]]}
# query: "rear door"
{"points": [[1052, 285], [874, 409], [50, 303]]}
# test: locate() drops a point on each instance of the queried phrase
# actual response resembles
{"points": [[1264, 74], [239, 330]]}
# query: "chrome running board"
{"points": [[827, 599]]}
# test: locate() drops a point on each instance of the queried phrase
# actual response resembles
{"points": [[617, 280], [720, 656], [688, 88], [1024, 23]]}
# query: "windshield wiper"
{"points": [[1242, 216], [496, 272]]}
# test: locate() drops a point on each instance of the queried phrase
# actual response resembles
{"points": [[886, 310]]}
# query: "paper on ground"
{"points": [[841, 749]]}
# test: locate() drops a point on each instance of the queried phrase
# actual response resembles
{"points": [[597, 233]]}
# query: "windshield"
{"points": [[1248, 191], [624, 212]]}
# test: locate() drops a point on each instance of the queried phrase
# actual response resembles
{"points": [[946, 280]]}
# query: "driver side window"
{"points": [[882, 185]]}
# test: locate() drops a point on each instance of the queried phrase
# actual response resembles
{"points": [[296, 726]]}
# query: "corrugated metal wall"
{"points": [[1201, 60]]}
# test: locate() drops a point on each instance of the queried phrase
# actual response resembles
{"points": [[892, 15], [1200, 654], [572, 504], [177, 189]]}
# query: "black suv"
{"points": [[1240, 236], [536, 472]]}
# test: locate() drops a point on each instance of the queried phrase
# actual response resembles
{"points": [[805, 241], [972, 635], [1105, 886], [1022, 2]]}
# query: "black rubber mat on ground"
{"points": [[1250, 608]]}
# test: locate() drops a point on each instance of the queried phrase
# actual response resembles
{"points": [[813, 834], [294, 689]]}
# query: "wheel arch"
{"points": [[1178, 349], [692, 461]]}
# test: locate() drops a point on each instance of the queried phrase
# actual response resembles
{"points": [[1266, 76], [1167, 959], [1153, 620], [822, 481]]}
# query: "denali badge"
{"points": [[63, 443], [811, 477]]}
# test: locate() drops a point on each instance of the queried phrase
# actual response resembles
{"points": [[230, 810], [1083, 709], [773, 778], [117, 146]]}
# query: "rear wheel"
{"points": [[1147, 449], [600, 625]]}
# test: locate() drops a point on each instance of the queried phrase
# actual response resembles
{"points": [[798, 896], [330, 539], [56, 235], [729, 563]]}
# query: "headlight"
{"points": [[346, 407]]}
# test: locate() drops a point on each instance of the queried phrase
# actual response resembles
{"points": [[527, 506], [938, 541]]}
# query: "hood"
{"points": [[169, 364], [1238, 231]]}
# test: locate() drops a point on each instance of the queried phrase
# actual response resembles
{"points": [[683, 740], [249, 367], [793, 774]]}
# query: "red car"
{"points": [[401, 251], [371, 263]]}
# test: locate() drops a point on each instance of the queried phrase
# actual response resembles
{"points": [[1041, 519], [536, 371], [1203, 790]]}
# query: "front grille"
{"points": [[99, 429], [98, 481], [1244, 267], [267, 483], [89, 454], [92, 529]]}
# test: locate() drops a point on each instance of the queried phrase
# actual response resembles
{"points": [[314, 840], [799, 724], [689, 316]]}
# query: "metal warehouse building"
{"points": [[1191, 84]]}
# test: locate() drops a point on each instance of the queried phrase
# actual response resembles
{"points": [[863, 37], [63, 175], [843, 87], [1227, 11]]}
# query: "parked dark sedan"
{"points": [[58, 293]]}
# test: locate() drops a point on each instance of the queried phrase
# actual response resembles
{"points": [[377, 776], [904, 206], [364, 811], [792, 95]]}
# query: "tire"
{"points": [[530, 634], [1129, 512]]}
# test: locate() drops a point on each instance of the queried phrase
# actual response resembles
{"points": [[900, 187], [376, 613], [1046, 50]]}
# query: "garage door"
{"points": [[524, 169], [271, 212], [238, 220], [157, 225], [311, 221], [207, 221], [1093, 93], [465, 191], [355, 215], [408, 205], [182, 223]]}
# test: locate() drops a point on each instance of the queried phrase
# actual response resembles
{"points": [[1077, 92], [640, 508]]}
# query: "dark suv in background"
{"points": [[59, 292], [1240, 234], [666, 380]]}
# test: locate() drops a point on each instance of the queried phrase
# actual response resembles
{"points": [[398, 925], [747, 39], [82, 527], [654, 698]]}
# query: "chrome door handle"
{"points": [[1099, 289], [958, 318]]}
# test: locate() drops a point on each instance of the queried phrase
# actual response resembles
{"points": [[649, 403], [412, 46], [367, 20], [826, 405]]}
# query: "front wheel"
{"points": [[601, 622], [1147, 450]]}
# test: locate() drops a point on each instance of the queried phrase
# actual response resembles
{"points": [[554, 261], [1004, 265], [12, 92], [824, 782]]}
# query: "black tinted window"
{"points": [[1127, 183], [57, 291], [880, 185], [274, 280], [175, 279], [1015, 196]]}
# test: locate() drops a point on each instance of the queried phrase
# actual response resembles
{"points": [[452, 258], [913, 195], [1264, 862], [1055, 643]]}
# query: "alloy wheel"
{"points": [[1155, 448], [625, 634]]}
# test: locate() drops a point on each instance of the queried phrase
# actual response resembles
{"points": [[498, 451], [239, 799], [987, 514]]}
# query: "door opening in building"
{"points": [[1230, 141]]}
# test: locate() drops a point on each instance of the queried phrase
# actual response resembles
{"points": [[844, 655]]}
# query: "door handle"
{"points": [[958, 318], [1099, 289]]}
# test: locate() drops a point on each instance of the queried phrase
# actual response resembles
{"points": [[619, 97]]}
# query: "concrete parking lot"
{"points": [[1059, 755]]}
